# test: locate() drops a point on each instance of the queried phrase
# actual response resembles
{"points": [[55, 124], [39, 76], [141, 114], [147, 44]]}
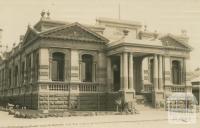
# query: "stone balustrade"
{"points": [[90, 87], [178, 88], [148, 88], [86, 87]]}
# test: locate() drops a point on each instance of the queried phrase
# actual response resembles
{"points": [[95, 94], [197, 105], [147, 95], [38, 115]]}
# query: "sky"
{"points": [[165, 16]]}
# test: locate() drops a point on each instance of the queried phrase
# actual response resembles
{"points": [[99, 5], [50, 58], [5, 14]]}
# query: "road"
{"points": [[147, 119]]}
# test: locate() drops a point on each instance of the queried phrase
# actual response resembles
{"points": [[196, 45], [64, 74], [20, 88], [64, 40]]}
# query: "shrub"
{"points": [[11, 112], [17, 114]]}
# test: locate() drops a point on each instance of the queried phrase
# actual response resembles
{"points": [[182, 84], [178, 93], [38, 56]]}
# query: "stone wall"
{"points": [[56, 101], [64, 101], [92, 101]]}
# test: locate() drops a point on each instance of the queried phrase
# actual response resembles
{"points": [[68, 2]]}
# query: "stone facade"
{"points": [[61, 66]]}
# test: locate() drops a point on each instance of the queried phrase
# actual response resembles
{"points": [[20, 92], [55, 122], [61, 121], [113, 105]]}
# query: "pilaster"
{"points": [[44, 65], [75, 76], [167, 73]]}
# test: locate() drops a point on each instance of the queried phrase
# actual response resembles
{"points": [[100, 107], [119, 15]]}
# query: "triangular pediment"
{"points": [[30, 35], [169, 41], [74, 32]]}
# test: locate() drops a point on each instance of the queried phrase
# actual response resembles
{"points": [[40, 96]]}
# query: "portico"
{"points": [[138, 78], [131, 80]]}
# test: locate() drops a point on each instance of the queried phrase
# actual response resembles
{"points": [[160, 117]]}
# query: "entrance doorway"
{"points": [[116, 73]]}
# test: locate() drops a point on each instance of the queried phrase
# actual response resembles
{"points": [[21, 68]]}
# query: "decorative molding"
{"points": [[74, 67], [146, 78], [93, 53], [167, 78], [43, 67], [74, 32], [167, 73], [146, 71], [43, 73], [74, 75]]}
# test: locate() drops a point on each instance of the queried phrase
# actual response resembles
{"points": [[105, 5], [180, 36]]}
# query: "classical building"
{"points": [[62, 65]]}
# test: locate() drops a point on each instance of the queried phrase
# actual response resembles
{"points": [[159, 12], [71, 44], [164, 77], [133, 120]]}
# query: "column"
{"points": [[155, 73], [109, 74], [121, 72], [131, 86], [101, 72], [160, 79], [125, 70]]}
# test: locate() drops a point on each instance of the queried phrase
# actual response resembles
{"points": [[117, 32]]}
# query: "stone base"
{"points": [[127, 95], [158, 99]]}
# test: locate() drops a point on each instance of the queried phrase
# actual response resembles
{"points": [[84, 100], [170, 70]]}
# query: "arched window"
{"points": [[86, 69], [176, 72], [58, 66]]}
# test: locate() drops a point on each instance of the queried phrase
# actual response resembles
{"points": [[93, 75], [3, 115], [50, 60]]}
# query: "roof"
{"points": [[180, 39], [130, 40], [74, 24], [118, 21], [61, 23]]}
